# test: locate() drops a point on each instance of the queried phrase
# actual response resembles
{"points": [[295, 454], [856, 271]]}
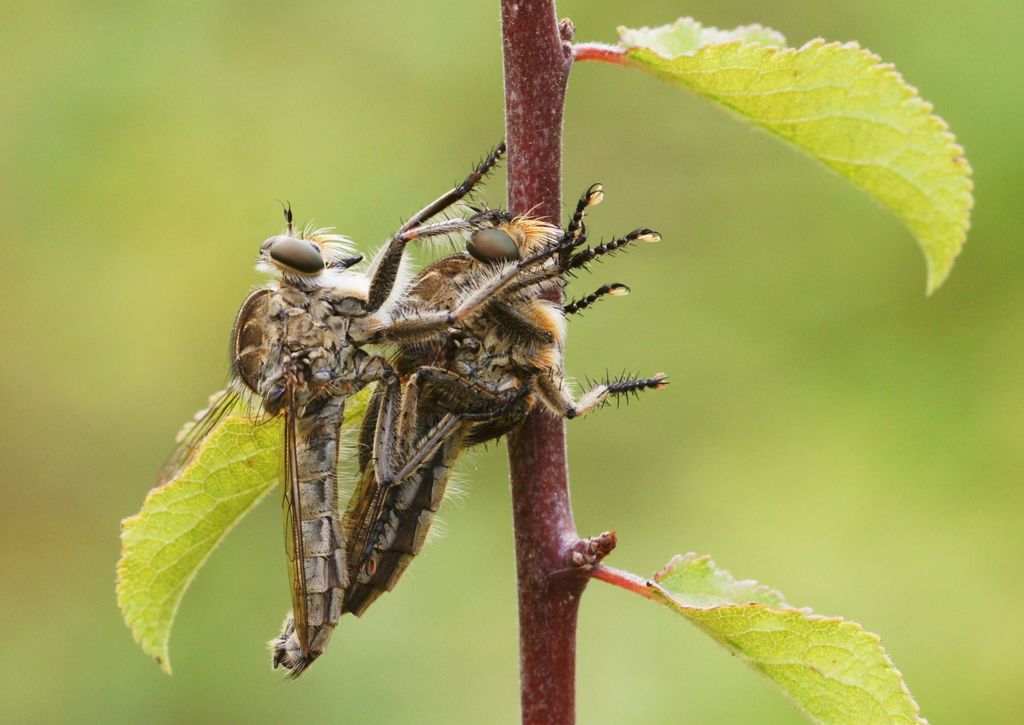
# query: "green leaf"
{"points": [[839, 103], [686, 35], [181, 522], [831, 669]]}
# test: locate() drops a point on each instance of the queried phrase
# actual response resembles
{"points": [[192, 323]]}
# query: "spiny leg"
{"points": [[413, 326], [399, 454], [387, 265], [582, 259], [615, 290], [458, 193], [555, 393], [374, 524], [368, 429], [400, 526], [575, 231], [532, 272], [591, 197]]}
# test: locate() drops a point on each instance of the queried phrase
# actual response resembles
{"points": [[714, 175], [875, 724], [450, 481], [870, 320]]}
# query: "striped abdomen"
{"points": [[324, 563], [403, 525]]}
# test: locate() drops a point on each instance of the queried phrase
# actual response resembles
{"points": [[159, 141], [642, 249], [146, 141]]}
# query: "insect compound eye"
{"points": [[491, 246], [298, 254]]}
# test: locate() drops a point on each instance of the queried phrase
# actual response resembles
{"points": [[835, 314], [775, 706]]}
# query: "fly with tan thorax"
{"points": [[297, 353], [501, 354]]}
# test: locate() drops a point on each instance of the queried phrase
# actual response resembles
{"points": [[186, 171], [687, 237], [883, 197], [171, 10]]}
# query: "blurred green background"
{"points": [[829, 430]]}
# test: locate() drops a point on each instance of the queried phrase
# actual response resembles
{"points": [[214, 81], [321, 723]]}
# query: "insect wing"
{"points": [[195, 432], [361, 513], [291, 502]]}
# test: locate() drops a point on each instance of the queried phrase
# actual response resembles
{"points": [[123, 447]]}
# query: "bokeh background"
{"points": [[829, 430]]}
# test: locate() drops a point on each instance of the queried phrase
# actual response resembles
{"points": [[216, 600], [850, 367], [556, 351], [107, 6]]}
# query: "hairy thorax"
{"points": [[297, 333]]}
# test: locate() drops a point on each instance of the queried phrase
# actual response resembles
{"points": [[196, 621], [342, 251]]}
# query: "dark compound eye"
{"points": [[491, 246], [298, 254]]}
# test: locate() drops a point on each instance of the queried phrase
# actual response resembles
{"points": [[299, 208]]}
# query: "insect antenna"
{"points": [[286, 206]]}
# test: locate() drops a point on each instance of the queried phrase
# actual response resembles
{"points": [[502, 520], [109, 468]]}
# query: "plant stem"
{"points": [[537, 61], [626, 580], [600, 52]]}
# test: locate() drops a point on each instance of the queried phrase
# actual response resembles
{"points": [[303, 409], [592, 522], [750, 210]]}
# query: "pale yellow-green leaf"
{"points": [[838, 103], [181, 522], [833, 670], [686, 35]]}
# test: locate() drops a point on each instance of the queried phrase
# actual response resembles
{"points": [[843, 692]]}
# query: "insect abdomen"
{"points": [[324, 564], [408, 514]]}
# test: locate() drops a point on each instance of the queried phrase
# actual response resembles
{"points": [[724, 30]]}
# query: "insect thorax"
{"points": [[298, 334]]}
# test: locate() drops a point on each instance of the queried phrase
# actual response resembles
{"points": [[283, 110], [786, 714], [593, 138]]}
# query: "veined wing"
{"points": [[387, 527], [362, 511], [291, 502], [195, 432]]}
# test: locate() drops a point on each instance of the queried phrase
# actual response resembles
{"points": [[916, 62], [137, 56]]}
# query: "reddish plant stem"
{"points": [[600, 52], [626, 580], [537, 61]]}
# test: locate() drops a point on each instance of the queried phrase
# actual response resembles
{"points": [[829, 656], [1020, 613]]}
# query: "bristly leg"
{"points": [[592, 196], [615, 290], [575, 233], [627, 385], [387, 265], [582, 259], [459, 192]]}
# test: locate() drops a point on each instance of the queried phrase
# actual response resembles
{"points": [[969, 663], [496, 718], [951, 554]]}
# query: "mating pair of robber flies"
{"points": [[476, 346]]}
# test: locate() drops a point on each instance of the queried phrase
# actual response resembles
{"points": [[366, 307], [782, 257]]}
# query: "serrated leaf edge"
{"points": [[664, 597], [937, 274]]}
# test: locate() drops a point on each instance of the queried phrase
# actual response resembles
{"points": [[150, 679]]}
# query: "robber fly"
{"points": [[500, 356], [297, 352]]}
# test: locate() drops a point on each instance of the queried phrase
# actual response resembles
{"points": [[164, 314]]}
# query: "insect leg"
{"points": [[394, 532], [464, 400], [502, 282], [390, 532], [458, 193], [582, 259], [368, 429], [575, 232], [386, 265], [555, 393], [615, 290]]}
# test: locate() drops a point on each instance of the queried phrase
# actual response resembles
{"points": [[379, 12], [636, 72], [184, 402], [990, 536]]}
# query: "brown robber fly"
{"points": [[500, 355], [297, 352]]}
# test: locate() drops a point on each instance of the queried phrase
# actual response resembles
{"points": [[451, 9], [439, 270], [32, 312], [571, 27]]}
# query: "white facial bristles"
{"points": [[332, 246]]}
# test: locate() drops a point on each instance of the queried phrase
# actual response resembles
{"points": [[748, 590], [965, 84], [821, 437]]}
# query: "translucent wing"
{"points": [[195, 432], [363, 511], [291, 502], [384, 535]]}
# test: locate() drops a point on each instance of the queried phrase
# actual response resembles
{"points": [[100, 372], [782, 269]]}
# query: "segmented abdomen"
{"points": [[316, 448], [406, 517]]}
